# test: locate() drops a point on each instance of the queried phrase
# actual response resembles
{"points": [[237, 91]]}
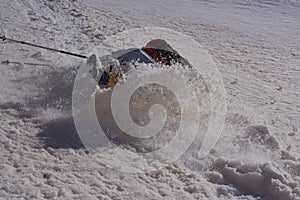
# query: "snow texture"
{"points": [[256, 47]]}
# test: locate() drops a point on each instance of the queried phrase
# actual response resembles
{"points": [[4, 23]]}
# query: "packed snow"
{"points": [[255, 45]]}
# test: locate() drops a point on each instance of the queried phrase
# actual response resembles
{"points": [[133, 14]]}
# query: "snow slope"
{"points": [[256, 47]]}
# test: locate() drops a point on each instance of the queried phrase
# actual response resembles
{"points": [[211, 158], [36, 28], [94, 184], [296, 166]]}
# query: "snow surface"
{"points": [[256, 46]]}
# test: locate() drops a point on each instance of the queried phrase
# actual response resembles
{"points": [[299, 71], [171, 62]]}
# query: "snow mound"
{"points": [[267, 180]]}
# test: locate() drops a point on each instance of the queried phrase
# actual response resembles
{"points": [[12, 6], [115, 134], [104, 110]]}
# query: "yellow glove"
{"points": [[113, 79]]}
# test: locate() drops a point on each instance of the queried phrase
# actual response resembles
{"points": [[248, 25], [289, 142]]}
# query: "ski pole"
{"points": [[3, 38], [7, 62]]}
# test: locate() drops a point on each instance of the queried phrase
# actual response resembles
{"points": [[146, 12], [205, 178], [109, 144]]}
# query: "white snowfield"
{"points": [[256, 47]]}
